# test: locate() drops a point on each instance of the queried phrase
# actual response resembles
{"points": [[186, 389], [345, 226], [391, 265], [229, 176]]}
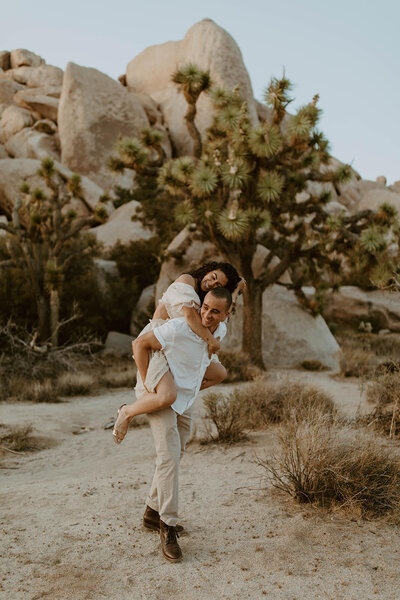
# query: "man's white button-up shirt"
{"points": [[187, 356]]}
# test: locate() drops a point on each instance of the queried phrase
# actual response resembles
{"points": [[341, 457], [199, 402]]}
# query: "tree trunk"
{"points": [[252, 322], [54, 316], [43, 317], [192, 130]]}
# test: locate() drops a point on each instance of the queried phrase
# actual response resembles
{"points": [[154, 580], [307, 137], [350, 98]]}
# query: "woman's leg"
{"points": [[163, 397], [215, 373]]}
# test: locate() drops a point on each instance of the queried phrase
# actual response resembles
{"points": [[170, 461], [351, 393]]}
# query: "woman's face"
{"points": [[213, 279]]}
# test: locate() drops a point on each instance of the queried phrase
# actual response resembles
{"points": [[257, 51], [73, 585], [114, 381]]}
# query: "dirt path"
{"points": [[71, 519]]}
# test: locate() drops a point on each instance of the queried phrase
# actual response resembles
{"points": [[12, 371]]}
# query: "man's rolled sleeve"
{"points": [[165, 334]]}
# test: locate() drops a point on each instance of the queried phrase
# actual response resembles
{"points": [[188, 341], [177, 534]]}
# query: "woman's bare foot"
{"points": [[121, 425]]}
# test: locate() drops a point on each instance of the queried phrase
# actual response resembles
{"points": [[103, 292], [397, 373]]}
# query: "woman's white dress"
{"points": [[177, 296]]}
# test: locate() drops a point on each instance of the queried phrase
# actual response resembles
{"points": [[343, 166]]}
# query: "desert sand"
{"points": [[71, 517]]}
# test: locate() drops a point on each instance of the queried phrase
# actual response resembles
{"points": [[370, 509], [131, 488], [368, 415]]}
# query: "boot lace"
{"points": [[172, 534]]}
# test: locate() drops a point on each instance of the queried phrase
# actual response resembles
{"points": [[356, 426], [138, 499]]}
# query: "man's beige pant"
{"points": [[171, 432]]}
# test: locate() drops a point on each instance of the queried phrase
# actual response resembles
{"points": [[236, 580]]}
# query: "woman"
{"points": [[182, 298]]}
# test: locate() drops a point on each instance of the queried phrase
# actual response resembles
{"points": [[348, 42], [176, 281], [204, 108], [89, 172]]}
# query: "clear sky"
{"points": [[347, 51]]}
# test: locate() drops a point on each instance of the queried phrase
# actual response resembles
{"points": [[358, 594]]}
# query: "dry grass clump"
{"points": [[334, 466], [74, 384], [384, 392], [238, 366], [226, 414], [357, 362], [266, 402], [261, 403], [18, 438], [363, 352], [117, 379], [41, 391], [386, 345]]}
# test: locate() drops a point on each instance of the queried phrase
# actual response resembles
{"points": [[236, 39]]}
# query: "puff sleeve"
{"points": [[177, 296]]}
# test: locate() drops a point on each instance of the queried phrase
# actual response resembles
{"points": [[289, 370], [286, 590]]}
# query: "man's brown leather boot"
{"points": [[169, 544], [151, 520]]}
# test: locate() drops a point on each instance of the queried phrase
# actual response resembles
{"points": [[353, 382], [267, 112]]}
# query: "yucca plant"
{"points": [[41, 238]]}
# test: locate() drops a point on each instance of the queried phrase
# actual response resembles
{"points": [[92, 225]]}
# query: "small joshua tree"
{"points": [[41, 239]]}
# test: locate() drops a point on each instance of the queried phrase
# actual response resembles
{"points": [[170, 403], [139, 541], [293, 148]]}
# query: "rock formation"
{"points": [[120, 227], [211, 48], [94, 112]]}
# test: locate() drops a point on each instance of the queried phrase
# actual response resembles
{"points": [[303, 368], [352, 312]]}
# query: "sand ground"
{"points": [[71, 518]]}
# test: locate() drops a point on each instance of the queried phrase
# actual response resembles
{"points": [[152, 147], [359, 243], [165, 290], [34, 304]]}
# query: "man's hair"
{"points": [[223, 293]]}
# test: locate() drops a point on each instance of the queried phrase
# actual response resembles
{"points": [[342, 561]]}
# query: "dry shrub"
{"points": [[261, 403], [238, 366], [357, 362], [312, 365], [386, 345], [18, 438], [73, 384], [363, 353], [225, 412], [384, 392], [266, 402], [41, 391], [334, 466], [116, 379]]}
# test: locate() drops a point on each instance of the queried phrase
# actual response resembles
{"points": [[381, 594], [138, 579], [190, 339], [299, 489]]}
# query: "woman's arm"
{"points": [[239, 289], [161, 312], [193, 319], [140, 349]]}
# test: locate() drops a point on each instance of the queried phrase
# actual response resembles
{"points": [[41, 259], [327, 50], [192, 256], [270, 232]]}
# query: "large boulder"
{"points": [[374, 198], [210, 47], [20, 74], [13, 119], [43, 101], [15, 171], [94, 111], [44, 76], [351, 305], [118, 344], [120, 227], [290, 334], [8, 88], [29, 143], [5, 60], [22, 58]]}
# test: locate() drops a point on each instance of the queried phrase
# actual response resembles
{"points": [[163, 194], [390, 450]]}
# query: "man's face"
{"points": [[213, 311]]}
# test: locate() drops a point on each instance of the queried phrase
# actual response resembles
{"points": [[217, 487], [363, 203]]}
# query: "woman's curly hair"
{"points": [[231, 274]]}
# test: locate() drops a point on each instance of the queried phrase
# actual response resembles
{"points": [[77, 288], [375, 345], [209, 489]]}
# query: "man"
{"points": [[187, 356]]}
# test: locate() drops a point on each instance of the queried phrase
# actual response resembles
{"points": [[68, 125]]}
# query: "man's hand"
{"points": [[213, 346]]}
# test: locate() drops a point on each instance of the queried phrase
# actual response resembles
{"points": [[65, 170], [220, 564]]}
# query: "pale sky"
{"points": [[347, 51]]}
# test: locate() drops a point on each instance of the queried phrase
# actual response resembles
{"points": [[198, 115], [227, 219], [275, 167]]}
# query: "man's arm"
{"points": [[140, 349]]}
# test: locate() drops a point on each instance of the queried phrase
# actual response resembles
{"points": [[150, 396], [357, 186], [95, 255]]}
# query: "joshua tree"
{"points": [[192, 81], [254, 185], [268, 185], [41, 239]]}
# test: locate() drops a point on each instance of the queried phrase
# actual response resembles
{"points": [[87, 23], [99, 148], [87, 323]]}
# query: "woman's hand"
{"points": [[241, 286], [213, 346]]}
